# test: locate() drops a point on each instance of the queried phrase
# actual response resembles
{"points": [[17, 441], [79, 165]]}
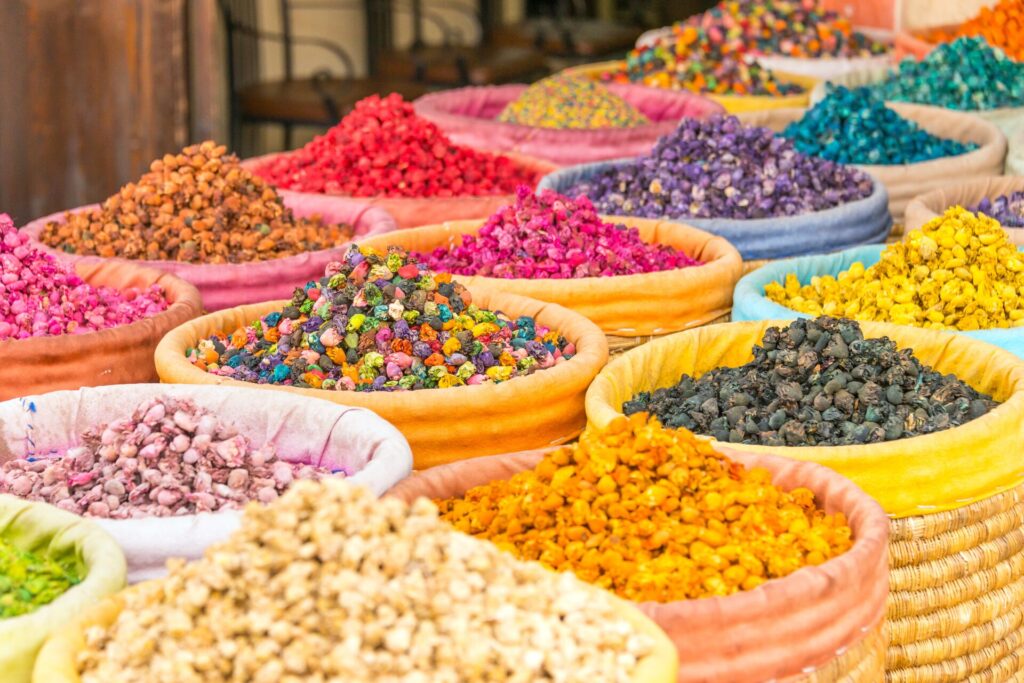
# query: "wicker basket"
{"points": [[617, 344], [862, 663], [956, 606], [752, 265]]}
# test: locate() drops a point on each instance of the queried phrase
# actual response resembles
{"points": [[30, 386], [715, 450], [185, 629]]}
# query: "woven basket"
{"points": [[862, 663], [752, 265], [618, 344], [956, 606]]}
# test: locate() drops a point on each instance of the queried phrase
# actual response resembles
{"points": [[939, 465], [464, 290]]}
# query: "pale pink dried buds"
{"points": [[161, 461]]}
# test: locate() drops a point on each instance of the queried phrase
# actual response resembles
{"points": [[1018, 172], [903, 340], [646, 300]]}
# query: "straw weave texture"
{"points": [[956, 603], [993, 664], [750, 266], [618, 344], [972, 589], [926, 526], [862, 663], [1010, 669]]}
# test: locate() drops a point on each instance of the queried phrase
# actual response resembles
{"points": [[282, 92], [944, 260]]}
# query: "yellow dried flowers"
{"points": [[959, 271], [652, 514]]}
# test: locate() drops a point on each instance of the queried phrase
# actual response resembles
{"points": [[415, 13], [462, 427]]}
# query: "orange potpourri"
{"points": [[197, 206], [652, 514], [1001, 26]]}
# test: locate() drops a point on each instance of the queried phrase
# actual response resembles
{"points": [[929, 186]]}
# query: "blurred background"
{"points": [[93, 90]]}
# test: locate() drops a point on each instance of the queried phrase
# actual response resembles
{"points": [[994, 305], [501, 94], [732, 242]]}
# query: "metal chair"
{"points": [[453, 63], [564, 32], [321, 99]]}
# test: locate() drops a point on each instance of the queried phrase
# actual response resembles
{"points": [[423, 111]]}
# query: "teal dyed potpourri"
{"points": [[967, 74], [855, 127], [382, 322]]}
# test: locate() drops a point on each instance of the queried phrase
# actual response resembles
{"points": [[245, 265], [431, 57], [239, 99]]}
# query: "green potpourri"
{"points": [[28, 581]]}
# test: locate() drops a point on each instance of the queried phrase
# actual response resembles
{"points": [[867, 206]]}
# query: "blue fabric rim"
{"points": [[750, 303], [865, 221]]}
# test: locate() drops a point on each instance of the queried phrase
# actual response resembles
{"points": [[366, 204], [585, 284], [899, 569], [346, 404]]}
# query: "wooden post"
{"points": [[93, 90]]}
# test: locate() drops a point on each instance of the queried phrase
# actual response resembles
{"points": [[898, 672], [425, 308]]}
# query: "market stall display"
{"points": [[430, 601], [692, 536], [469, 116], [855, 127], [817, 382], [463, 406], [377, 330], [383, 154], [720, 61], [740, 82], [167, 473], [634, 278], [742, 183], [200, 216], [55, 565], [570, 102], [953, 495], [114, 312]]}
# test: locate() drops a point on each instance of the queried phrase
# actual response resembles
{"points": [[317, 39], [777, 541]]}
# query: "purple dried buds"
{"points": [[719, 168]]}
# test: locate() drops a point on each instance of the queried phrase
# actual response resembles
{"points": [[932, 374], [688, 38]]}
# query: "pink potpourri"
{"points": [[550, 236], [40, 297]]}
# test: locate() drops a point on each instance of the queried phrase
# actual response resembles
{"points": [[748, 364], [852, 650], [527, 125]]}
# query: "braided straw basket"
{"points": [[862, 663], [956, 607], [617, 344]]}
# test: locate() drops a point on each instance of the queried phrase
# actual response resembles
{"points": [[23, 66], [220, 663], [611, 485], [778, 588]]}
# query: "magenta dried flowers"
{"points": [[551, 236], [40, 297]]}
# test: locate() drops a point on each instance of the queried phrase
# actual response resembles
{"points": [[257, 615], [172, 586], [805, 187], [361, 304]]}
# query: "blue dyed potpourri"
{"points": [[855, 127], [1008, 209], [967, 74], [720, 168], [380, 322]]}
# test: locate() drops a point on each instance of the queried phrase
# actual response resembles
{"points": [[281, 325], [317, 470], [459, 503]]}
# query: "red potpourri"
{"points": [[382, 148]]}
